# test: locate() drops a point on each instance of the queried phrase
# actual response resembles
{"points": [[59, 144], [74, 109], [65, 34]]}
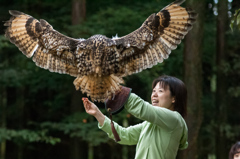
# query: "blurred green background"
{"points": [[42, 115]]}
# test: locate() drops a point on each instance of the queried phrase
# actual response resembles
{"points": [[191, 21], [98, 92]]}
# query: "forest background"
{"points": [[42, 115]]}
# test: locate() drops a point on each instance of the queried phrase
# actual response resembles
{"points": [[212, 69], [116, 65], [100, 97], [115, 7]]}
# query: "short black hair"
{"points": [[177, 89], [234, 150]]}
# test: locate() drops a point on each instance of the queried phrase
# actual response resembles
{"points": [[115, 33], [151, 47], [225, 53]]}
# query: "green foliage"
{"points": [[86, 131], [78, 125], [111, 21], [234, 91], [235, 22], [27, 136]]}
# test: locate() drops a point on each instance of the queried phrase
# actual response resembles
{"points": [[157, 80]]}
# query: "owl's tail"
{"points": [[98, 88]]}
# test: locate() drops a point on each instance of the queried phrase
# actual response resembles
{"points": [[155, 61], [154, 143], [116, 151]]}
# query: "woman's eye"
{"points": [[237, 155]]}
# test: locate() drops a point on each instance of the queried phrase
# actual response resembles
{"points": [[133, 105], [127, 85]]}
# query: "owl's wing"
{"points": [[49, 49], [155, 39]]}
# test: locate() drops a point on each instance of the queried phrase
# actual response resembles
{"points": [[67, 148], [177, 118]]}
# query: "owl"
{"points": [[99, 63]]}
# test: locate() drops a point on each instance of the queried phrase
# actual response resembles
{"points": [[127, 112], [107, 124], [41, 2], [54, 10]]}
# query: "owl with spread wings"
{"points": [[99, 63]]}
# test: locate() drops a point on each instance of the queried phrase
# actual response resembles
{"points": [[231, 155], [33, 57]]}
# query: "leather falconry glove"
{"points": [[116, 105]]}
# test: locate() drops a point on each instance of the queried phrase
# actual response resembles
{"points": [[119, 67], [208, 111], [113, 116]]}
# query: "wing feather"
{"points": [[49, 49], [156, 38]]}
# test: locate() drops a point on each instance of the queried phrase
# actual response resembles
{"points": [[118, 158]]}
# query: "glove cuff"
{"points": [[116, 104]]}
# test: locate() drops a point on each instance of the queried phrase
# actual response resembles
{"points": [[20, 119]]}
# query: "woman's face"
{"points": [[162, 97]]}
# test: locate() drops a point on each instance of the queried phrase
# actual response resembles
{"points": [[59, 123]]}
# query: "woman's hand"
{"points": [[93, 110], [90, 107]]}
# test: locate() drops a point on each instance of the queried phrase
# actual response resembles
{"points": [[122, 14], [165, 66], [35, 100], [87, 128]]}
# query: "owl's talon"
{"points": [[113, 96]]}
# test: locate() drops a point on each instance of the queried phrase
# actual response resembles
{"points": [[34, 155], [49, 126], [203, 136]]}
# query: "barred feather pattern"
{"points": [[100, 63], [100, 88], [49, 49], [159, 35]]}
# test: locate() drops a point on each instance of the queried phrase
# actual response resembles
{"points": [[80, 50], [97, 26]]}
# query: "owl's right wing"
{"points": [[50, 49]]}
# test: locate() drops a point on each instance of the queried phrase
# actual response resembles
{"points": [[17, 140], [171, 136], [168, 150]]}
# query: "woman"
{"points": [[163, 131], [235, 151]]}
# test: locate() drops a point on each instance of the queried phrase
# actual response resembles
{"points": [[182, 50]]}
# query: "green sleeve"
{"points": [[128, 136], [183, 142], [162, 117]]}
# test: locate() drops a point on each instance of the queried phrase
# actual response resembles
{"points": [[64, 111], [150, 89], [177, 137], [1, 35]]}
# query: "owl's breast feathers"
{"points": [[98, 56]]}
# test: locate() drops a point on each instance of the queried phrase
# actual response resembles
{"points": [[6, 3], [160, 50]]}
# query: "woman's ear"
{"points": [[173, 99]]}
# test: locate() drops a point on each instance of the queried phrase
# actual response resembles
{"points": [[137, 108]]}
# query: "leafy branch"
{"points": [[27, 136], [235, 20]]}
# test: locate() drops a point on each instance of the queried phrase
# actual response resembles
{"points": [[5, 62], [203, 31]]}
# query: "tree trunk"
{"points": [[78, 11], [193, 78], [20, 103], [221, 98], [3, 106], [77, 146], [90, 151], [78, 16]]}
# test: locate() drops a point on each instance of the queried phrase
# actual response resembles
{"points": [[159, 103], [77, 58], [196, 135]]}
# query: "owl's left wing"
{"points": [[50, 49], [155, 39]]}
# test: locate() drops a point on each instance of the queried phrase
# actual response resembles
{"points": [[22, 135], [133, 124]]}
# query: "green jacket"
{"points": [[160, 136]]}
